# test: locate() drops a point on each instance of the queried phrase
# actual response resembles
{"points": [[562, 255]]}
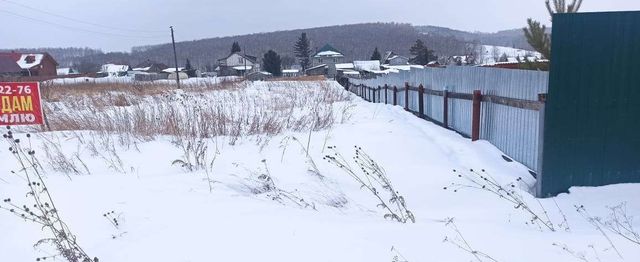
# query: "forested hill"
{"points": [[509, 38], [356, 41]]}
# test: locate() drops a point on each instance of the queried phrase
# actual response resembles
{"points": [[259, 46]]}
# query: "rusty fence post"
{"points": [[475, 122], [364, 92], [445, 112], [373, 99], [386, 87], [421, 100], [367, 94], [395, 95], [371, 90], [406, 96]]}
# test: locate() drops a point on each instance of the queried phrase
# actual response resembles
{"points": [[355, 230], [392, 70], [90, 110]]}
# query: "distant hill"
{"points": [[356, 41], [510, 38]]}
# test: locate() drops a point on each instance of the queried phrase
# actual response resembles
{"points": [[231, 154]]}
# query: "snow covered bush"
{"points": [[262, 182], [461, 243], [371, 176], [41, 210], [485, 182]]}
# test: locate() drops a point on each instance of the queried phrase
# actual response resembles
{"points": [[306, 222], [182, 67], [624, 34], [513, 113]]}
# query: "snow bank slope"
{"points": [[169, 214]]}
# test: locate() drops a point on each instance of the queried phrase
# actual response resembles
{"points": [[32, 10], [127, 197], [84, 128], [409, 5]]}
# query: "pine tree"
{"points": [[417, 47], [189, 69], [376, 55], [538, 38], [302, 50], [421, 54], [235, 47], [560, 6], [504, 58], [272, 63], [536, 33]]}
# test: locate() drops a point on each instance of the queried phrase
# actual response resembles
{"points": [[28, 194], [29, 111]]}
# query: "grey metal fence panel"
{"points": [[413, 101], [512, 130], [433, 107], [400, 97]]}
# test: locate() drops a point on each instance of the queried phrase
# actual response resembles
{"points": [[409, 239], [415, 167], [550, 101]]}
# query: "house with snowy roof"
{"points": [[66, 71], [324, 61], [391, 58], [30, 64], [327, 55], [150, 66], [114, 70], [237, 64]]}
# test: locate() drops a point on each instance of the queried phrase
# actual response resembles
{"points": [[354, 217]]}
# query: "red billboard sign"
{"points": [[20, 104]]}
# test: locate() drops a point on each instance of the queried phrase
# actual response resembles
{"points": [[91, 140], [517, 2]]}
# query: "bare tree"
{"points": [[495, 53]]}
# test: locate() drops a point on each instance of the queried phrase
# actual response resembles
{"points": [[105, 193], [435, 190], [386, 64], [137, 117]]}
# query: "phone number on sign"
{"points": [[17, 90]]}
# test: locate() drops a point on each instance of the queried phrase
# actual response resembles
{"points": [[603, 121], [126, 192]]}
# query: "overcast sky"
{"points": [[117, 25]]}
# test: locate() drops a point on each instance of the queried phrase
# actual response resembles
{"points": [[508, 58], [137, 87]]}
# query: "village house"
{"points": [[391, 58], [258, 76], [290, 72], [32, 64], [327, 55], [150, 67], [66, 71], [9, 67], [237, 64], [149, 71], [324, 61], [113, 70]]}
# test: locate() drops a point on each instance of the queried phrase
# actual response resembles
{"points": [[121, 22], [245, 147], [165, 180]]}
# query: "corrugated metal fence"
{"points": [[510, 115]]}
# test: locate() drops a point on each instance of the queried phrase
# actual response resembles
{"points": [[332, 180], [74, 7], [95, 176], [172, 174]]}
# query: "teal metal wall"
{"points": [[592, 116]]}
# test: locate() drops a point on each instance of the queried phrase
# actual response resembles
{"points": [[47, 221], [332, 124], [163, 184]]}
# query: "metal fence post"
{"points": [[542, 98], [366, 93], [475, 122], [406, 96], [445, 112], [373, 98], [395, 95], [386, 87], [421, 100]]}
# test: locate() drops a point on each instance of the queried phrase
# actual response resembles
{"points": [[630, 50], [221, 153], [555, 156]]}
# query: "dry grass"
{"points": [[53, 92], [299, 78], [232, 109]]}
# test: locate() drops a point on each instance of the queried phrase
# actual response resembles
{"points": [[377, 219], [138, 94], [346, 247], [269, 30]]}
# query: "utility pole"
{"points": [[175, 57]]}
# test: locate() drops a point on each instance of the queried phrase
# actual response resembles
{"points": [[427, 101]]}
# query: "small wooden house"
{"points": [[237, 64]]}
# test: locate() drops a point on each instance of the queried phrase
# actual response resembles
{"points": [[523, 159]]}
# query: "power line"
{"points": [[77, 28], [81, 21]]}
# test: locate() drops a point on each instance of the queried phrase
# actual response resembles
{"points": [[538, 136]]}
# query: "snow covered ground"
{"points": [[490, 53], [168, 213]]}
